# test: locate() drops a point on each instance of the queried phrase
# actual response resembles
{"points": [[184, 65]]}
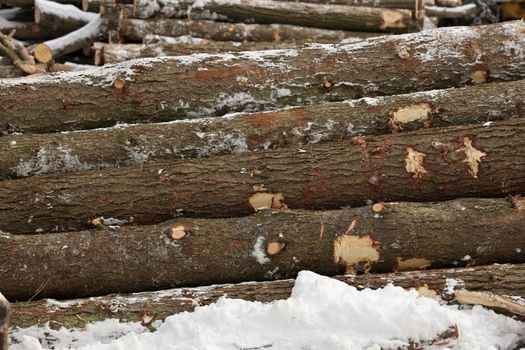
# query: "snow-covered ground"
{"points": [[322, 313]]}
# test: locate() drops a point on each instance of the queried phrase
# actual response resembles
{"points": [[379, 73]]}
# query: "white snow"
{"points": [[258, 251], [322, 313]]}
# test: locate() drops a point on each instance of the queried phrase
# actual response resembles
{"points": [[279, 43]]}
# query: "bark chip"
{"points": [[352, 251], [414, 163], [392, 19], [265, 200], [416, 112], [179, 231], [478, 76], [472, 156], [412, 264]]}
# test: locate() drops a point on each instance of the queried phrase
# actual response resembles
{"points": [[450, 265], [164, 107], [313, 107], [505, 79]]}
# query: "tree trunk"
{"points": [[500, 279], [328, 16], [399, 237], [78, 39], [10, 71], [315, 15], [191, 9], [465, 11], [395, 4], [31, 3], [61, 18], [424, 165], [113, 53], [137, 29], [34, 154], [262, 80], [17, 14], [28, 30]]}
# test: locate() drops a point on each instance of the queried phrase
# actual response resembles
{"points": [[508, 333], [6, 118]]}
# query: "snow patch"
{"points": [[322, 313], [258, 251]]}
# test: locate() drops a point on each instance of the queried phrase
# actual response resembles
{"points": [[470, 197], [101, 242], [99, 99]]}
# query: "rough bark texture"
{"points": [[303, 14], [34, 154], [28, 30], [145, 9], [315, 15], [10, 71], [395, 4], [78, 39], [113, 53], [61, 18], [500, 279], [137, 29], [402, 237], [31, 3], [425, 165], [211, 85]]}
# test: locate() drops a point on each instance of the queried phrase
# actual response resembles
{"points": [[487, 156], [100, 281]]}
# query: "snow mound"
{"points": [[322, 313]]}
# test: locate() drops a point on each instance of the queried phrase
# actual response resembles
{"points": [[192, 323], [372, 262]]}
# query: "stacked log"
{"points": [[143, 90], [290, 127], [147, 307], [379, 155]]}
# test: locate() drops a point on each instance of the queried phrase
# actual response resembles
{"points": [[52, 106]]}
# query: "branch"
{"points": [[19, 55], [491, 300]]}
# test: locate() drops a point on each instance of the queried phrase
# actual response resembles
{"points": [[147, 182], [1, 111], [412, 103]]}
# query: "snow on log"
{"points": [[31, 3], [36, 154], [423, 165], [261, 80], [137, 29], [27, 30], [404, 237], [56, 16], [147, 307], [77, 39], [145, 9], [464, 11], [113, 53], [328, 16]]}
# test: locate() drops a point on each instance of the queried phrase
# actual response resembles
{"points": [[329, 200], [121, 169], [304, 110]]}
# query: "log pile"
{"points": [[268, 138]]}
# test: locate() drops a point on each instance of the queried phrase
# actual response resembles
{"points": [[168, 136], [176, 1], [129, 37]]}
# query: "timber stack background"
{"points": [[227, 141]]}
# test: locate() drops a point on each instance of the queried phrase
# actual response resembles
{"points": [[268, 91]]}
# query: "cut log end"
{"points": [[378, 207], [43, 53], [119, 83], [276, 244]]}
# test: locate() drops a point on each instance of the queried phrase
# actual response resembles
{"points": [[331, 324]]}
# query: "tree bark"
{"points": [[500, 279], [137, 29], [31, 3], [263, 80], [27, 30], [114, 53], [328, 16], [78, 39], [401, 237], [424, 165], [10, 71], [191, 9], [61, 18], [17, 14], [34, 154], [315, 15], [395, 4], [464, 11]]}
